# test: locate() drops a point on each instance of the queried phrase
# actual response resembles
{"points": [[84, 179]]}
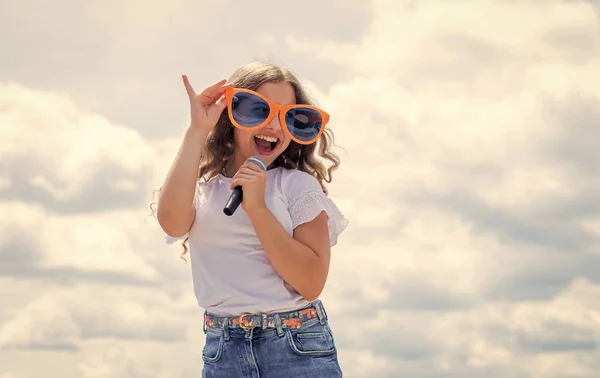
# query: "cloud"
{"points": [[498, 338], [69, 249], [468, 174], [44, 324], [76, 194], [66, 318], [470, 153], [70, 161], [126, 58], [405, 34], [78, 262]]}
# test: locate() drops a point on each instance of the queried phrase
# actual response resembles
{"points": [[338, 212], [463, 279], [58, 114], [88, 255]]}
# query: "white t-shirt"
{"points": [[230, 270]]}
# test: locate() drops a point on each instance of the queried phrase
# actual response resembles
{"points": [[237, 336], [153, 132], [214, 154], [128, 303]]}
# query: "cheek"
{"points": [[285, 142], [242, 137]]}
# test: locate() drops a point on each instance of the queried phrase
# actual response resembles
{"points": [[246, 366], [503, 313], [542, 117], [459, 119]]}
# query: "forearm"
{"points": [[296, 263], [177, 193]]}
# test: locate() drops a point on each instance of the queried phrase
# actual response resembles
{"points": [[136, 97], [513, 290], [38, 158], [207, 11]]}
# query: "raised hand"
{"points": [[206, 107]]}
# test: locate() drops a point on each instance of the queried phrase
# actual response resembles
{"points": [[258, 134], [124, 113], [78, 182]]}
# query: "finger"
{"points": [[243, 175], [188, 87], [240, 181], [248, 170], [222, 88], [208, 97], [221, 104], [209, 90], [216, 93], [253, 167]]}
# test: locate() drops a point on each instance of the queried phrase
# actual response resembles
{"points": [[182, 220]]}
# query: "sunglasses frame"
{"points": [[274, 108]]}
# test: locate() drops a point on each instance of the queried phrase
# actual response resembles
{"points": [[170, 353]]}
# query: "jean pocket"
{"points": [[213, 347], [313, 341]]}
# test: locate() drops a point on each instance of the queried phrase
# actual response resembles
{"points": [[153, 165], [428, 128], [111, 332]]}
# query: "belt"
{"points": [[247, 321]]}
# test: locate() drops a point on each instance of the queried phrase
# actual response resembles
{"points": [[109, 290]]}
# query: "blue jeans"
{"points": [[278, 352]]}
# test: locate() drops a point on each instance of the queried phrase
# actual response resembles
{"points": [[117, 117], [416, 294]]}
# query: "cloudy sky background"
{"points": [[470, 145]]}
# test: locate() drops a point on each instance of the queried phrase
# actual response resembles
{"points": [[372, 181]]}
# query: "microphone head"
{"points": [[258, 161]]}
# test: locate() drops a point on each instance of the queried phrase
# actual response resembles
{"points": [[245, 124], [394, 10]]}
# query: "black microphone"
{"points": [[236, 195]]}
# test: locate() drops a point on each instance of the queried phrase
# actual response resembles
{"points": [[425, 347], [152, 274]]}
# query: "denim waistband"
{"points": [[247, 321]]}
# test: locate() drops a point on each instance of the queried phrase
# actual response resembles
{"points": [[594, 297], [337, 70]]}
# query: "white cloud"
{"points": [[68, 317], [106, 359], [45, 323], [405, 35], [126, 59], [460, 198], [69, 247], [62, 152], [468, 176]]}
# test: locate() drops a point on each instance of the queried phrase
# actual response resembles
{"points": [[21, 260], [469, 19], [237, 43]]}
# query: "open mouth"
{"points": [[265, 144]]}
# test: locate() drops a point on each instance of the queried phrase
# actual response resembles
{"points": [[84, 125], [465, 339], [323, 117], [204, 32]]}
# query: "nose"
{"points": [[275, 125]]}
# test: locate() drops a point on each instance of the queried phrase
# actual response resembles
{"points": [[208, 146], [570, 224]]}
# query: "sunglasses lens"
{"points": [[304, 124], [249, 110]]}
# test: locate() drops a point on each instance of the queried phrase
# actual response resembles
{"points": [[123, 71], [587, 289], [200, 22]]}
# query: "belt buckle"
{"points": [[242, 325]]}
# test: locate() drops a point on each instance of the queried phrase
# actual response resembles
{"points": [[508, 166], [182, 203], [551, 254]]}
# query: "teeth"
{"points": [[267, 138]]}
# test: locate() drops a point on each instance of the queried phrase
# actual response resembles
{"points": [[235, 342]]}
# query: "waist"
{"points": [[234, 283], [289, 319]]}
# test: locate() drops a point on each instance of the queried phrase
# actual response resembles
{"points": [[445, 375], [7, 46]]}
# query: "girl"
{"points": [[259, 272]]}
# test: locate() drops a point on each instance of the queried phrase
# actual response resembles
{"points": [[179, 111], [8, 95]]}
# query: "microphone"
{"points": [[236, 195]]}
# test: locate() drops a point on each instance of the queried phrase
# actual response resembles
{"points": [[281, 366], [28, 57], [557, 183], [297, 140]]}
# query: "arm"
{"points": [[302, 260], [175, 211]]}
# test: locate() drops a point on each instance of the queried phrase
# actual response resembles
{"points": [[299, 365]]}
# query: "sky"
{"points": [[469, 135]]}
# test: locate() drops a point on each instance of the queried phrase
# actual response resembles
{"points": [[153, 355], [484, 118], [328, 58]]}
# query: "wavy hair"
{"points": [[219, 146]]}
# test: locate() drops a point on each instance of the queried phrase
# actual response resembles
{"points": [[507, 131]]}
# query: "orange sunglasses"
{"points": [[250, 110]]}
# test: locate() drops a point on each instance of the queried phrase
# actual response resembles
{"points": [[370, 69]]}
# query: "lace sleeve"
{"points": [[309, 204]]}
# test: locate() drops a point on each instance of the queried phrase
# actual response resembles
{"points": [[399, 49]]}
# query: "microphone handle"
{"points": [[234, 201]]}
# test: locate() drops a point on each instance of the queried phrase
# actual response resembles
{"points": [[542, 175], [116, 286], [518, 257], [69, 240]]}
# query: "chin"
{"points": [[268, 158]]}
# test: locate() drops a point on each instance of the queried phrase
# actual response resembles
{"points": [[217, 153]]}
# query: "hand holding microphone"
{"points": [[248, 186]]}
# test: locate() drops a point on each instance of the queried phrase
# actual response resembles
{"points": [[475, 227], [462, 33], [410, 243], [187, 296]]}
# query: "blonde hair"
{"points": [[220, 146]]}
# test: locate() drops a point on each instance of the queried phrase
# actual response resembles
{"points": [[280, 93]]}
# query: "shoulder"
{"points": [[208, 187], [295, 182], [306, 200], [210, 183]]}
